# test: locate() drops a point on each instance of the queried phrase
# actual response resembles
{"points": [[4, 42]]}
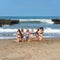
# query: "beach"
{"points": [[48, 49]]}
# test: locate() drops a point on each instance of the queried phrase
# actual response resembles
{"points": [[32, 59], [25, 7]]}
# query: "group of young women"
{"points": [[29, 35]]}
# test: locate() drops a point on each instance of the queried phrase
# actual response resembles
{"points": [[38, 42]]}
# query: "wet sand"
{"points": [[48, 49]]}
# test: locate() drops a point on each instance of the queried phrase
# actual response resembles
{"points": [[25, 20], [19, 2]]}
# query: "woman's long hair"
{"points": [[20, 33]]}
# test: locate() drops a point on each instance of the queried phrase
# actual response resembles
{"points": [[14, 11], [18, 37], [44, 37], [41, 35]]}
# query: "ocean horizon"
{"points": [[29, 17]]}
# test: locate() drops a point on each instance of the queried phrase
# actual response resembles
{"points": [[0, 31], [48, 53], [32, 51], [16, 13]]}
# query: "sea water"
{"points": [[51, 30]]}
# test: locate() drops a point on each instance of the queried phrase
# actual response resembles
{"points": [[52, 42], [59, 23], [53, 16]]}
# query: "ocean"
{"points": [[51, 30]]}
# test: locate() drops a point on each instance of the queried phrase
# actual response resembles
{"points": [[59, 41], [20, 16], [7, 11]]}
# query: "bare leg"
{"points": [[18, 39], [41, 38]]}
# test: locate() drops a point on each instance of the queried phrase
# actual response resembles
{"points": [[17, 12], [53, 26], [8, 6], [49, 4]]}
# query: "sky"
{"points": [[29, 7]]}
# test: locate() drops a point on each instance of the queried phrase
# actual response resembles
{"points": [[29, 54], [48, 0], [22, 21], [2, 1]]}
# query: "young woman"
{"points": [[36, 35], [27, 35], [32, 34], [19, 36], [23, 33], [40, 33]]}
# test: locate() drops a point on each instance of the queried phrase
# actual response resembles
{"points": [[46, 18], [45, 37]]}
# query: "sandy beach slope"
{"points": [[48, 49]]}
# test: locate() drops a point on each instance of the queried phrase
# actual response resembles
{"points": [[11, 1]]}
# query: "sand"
{"points": [[48, 49]]}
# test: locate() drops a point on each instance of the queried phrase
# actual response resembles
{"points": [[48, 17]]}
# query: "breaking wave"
{"points": [[46, 30], [49, 21]]}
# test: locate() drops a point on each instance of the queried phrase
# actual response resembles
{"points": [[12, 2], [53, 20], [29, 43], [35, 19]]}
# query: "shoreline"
{"points": [[43, 38]]}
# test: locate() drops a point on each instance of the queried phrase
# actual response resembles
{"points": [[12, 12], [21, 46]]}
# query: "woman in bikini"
{"points": [[40, 33], [19, 36], [32, 34], [27, 35]]}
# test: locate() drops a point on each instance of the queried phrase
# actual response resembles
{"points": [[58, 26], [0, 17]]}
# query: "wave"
{"points": [[7, 37], [50, 30], [8, 30], [46, 30], [49, 21]]}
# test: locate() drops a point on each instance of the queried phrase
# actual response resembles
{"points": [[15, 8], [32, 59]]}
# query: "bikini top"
{"points": [[32, 33]]}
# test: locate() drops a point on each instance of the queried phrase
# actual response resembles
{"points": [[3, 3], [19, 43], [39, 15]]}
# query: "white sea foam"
{"points": [[50, 30], [7, 37], [49, 21], [8, 30], [47, 30]]}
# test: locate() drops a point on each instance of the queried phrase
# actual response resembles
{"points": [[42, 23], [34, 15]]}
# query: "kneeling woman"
{"points": [[19, 36]]}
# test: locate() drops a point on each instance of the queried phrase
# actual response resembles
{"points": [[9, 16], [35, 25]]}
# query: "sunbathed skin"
{"points": [[19, 36], [32, 34], [40, 33]]}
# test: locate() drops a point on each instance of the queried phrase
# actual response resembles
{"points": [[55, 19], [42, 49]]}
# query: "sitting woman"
{"points": [[36, 35], [22, 31], [27, 35], [40, 33], [32, 34], [19, 36]]}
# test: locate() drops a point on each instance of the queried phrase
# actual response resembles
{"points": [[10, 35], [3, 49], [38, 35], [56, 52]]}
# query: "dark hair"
{"points": [[18, 30], [20, 33], [41, 28], [37, 31]]}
